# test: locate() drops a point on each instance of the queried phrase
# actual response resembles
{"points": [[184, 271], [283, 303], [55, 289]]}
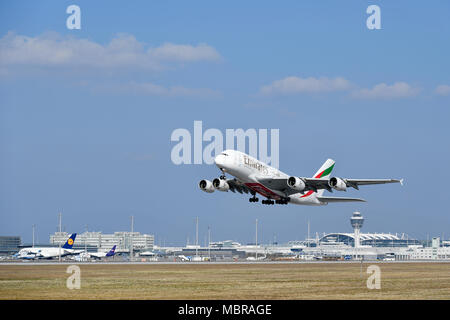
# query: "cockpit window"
{"points": [[225, 154]]}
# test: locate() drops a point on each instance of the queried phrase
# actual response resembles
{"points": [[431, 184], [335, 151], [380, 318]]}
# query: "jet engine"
{"points": [[337, 184], [206, 186], [221, 184], [296, 183]]}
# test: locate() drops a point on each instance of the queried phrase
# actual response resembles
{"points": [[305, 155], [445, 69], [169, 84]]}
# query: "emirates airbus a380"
{"points": [[252, 176]]}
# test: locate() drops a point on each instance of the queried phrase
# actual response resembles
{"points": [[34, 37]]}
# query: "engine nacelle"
{"points": [[221, 184], [296, 183], [337, 184], [206, 185]]}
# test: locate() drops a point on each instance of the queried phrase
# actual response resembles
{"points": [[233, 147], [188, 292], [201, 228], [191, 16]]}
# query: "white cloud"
{"points": [[184, 53], [296, 85], [384, 91], [442, 90], [52, 49], [151, 89]]}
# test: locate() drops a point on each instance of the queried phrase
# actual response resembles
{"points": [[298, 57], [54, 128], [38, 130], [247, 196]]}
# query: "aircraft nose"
{"points": [[220, 160]]}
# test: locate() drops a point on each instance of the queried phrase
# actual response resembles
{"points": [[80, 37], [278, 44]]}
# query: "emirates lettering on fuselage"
{"points": [[255, 165]]}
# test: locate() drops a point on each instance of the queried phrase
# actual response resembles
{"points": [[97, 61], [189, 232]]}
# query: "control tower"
{"points": [[357, 222]]}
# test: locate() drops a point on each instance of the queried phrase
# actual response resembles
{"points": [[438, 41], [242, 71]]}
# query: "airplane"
{"points": [[102, 254], [48, 253], [147, 254], [193, 258], [251, 176], [153, 253], [255, 258], [185, 258]]}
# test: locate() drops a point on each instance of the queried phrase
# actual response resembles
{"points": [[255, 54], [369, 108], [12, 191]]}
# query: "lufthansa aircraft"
{"points": [[253, 176], [48, 252]]}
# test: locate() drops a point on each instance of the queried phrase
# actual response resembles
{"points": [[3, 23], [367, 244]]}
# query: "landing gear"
{"points": [[222, 177], [254, 198], [282, 201], [271, 202]]}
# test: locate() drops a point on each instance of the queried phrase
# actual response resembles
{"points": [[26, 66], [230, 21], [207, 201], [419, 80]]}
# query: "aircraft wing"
{"points": [[338, 199], [315, 184], [280, 184], [362, 182], [235, 185], [74, 252]]}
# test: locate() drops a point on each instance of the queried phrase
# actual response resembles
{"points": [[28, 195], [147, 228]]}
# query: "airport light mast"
{"points": [[34, 226], [209, 243], [256, 240], [59, 216], [196, 236], [131, 239]]}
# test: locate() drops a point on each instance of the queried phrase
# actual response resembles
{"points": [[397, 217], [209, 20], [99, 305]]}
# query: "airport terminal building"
{"points": [[9, 244], [125, 241], [368, 239], [349, 246]]}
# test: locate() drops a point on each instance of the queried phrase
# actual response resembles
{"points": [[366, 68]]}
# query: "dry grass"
{"points": [[227, 281]]}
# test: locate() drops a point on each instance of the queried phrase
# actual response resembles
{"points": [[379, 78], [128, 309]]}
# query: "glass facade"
{"points": [[123, 240], [9, 244], [368, 239]]}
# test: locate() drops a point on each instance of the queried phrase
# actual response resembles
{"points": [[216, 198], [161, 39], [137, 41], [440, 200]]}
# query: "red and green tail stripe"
{"points": [[325, 172]]}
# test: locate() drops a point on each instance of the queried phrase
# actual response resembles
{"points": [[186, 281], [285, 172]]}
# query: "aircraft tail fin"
{"points": [[324, 172], [111, 252], [69, 243]]}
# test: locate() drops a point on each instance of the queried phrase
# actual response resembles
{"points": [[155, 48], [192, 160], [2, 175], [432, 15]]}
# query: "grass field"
{"points": [[227, 281]]}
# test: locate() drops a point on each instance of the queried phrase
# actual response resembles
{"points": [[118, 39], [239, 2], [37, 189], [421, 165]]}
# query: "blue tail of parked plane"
{"points": [[111, 252], [69, 243]]}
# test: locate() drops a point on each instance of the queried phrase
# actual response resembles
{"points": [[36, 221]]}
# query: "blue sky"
{"points": [[87, 115]]}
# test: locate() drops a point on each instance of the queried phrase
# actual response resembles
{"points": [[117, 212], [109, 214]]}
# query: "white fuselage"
{"points": [[43, 253], [248, 169], [98, 255]]}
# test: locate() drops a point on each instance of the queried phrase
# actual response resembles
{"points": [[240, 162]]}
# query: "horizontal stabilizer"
{"points": [[338, 199]]}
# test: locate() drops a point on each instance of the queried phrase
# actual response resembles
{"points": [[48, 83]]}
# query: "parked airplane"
{"points": [[256, 258], [185, 258], [193, 258], [48, 253], [253, 176], [153, 253], [148, 254], [102, 254]]}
